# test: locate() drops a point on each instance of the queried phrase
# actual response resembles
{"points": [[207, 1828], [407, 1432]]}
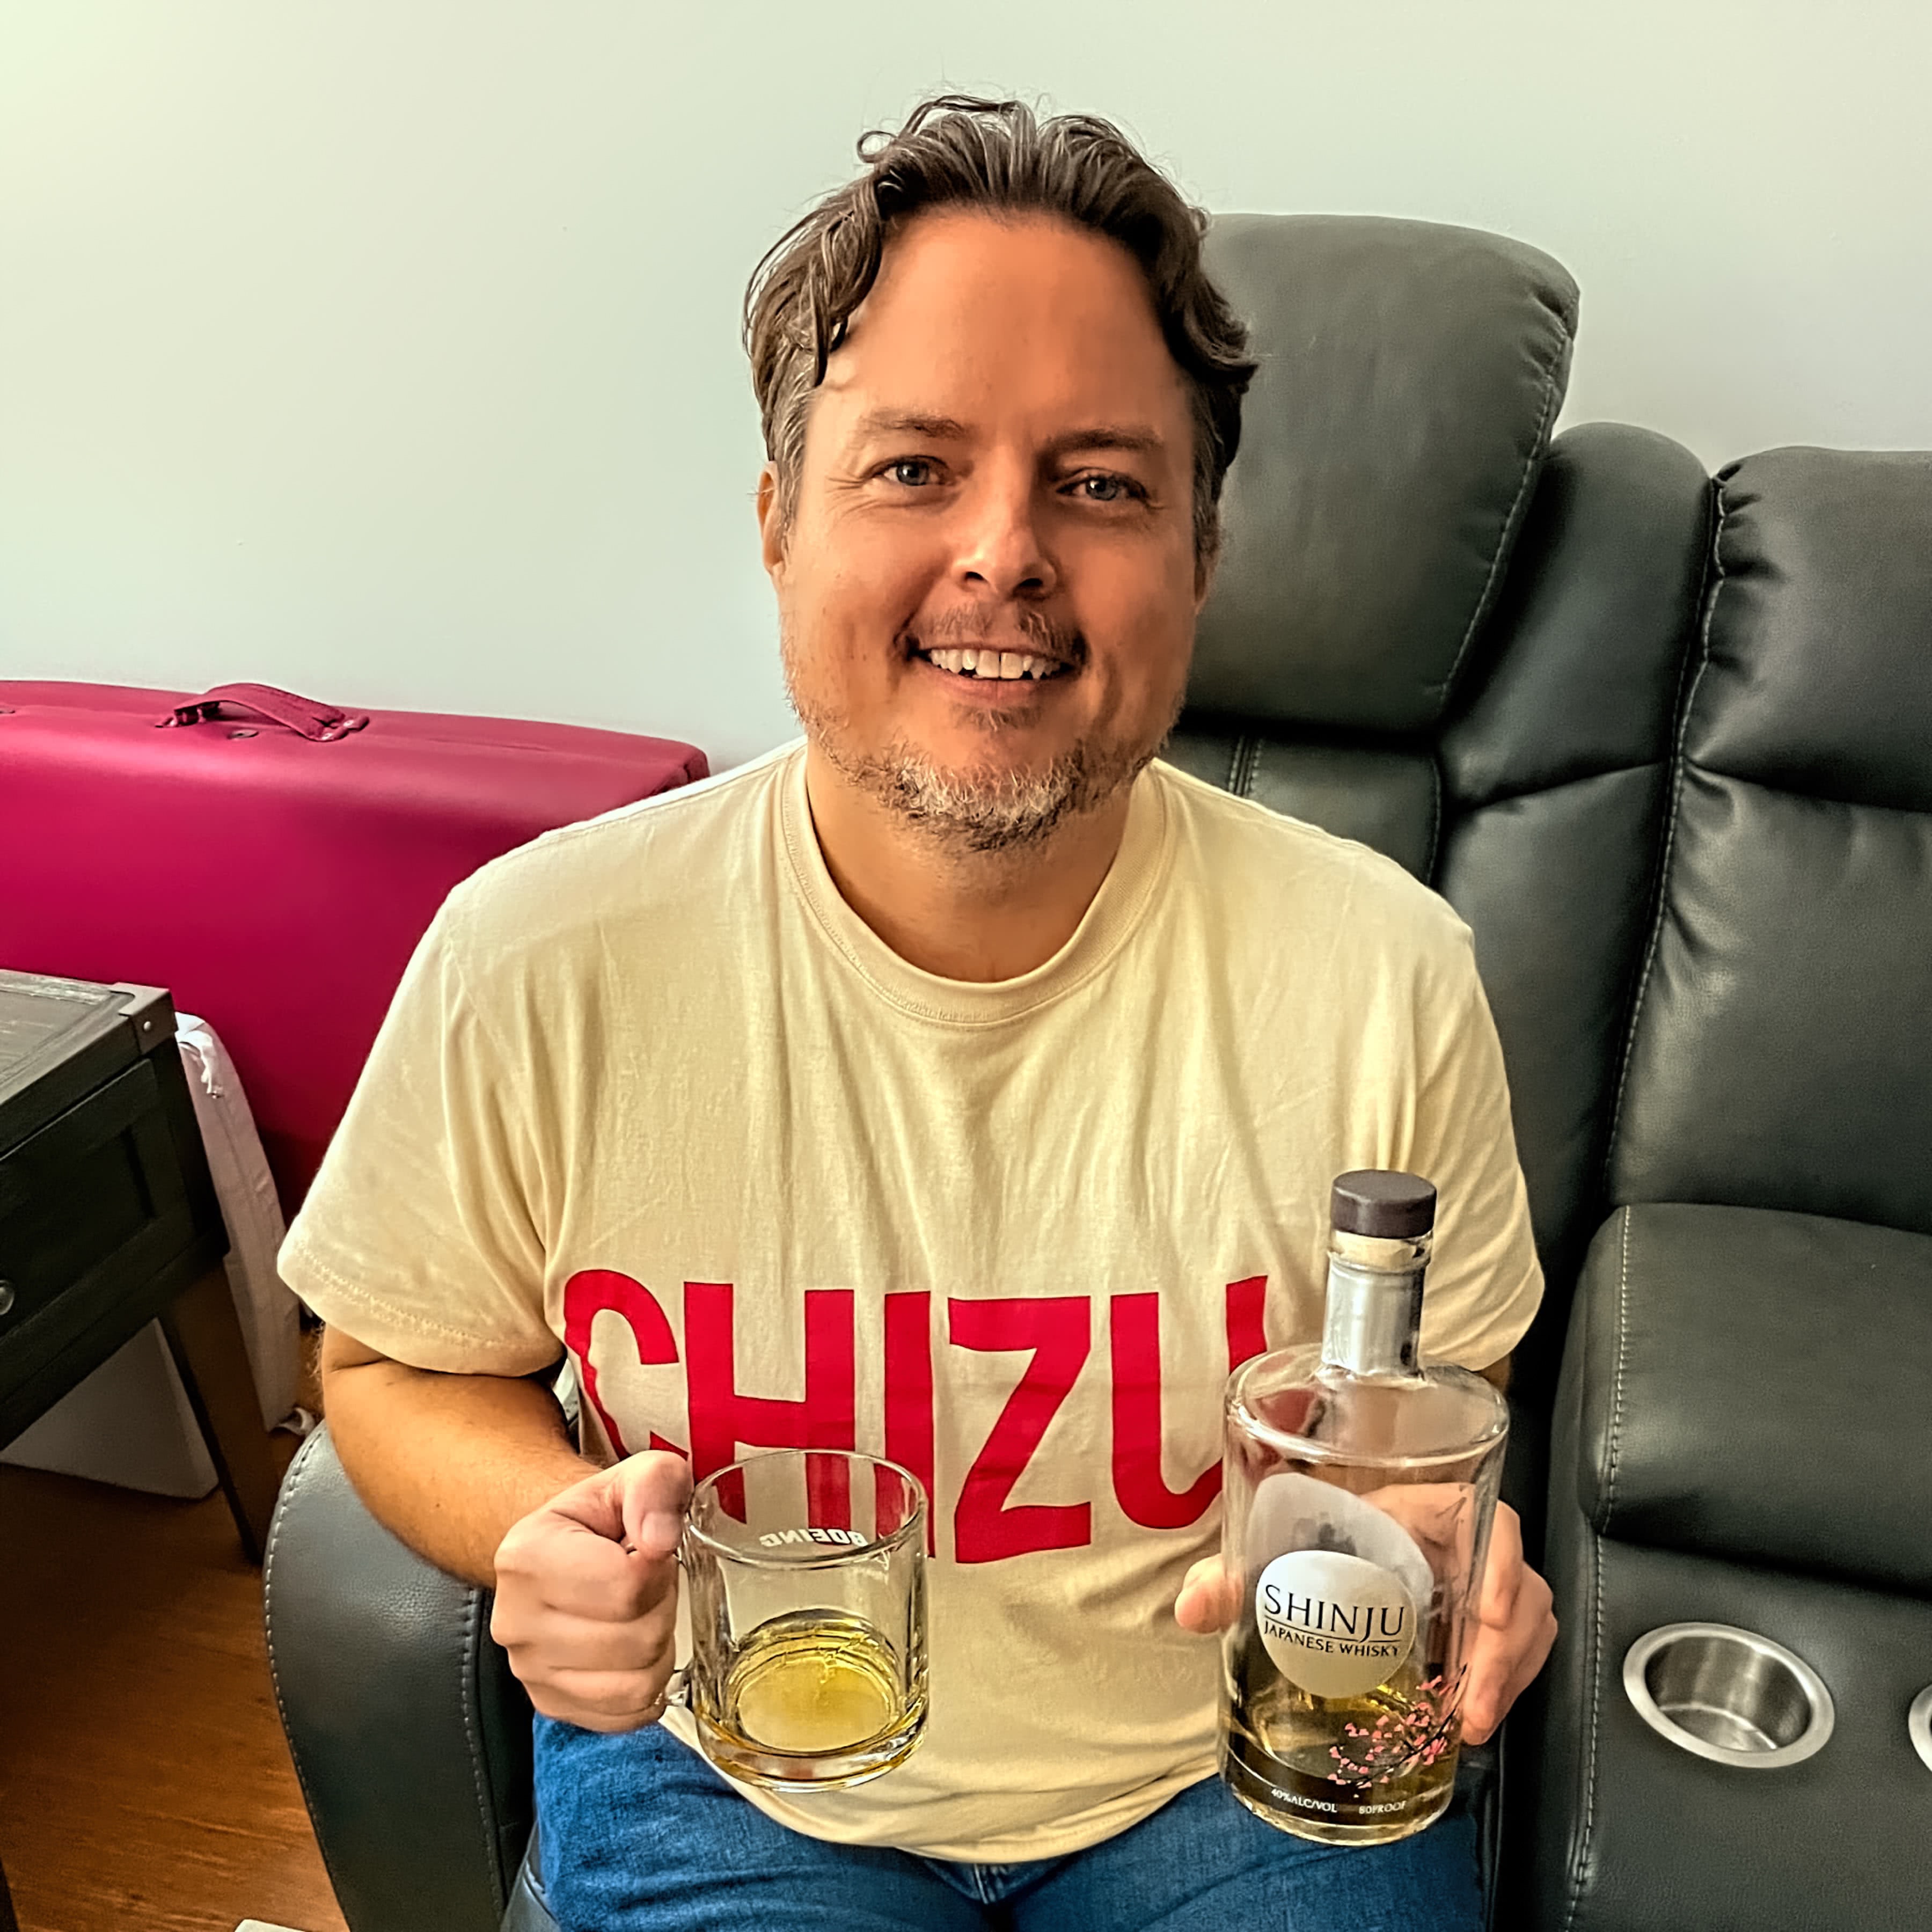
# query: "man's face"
{"points": [[997, 471]]}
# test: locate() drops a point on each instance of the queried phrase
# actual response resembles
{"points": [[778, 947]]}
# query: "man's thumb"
{"points": [[651, 1491]]}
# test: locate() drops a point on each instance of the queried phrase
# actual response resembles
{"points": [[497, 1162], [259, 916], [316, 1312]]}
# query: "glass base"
{"points": [[1300, 1806], [813, 1700], [750, 1763]]}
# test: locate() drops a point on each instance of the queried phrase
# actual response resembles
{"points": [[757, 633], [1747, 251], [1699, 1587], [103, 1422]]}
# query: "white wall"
{"points": [[387, 349]]}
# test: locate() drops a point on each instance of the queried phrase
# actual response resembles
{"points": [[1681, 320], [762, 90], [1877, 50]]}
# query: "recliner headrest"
{"points": [[1410, 373]]}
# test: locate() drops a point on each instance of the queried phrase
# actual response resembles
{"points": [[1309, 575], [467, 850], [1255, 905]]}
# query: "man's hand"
{"points": [[586, 1595], [1209, 1599], [1516, 1629]]}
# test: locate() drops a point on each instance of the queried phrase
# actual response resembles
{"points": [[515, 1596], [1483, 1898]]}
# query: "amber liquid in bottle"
{"points": [[1359, 1488], [1359, 1770]]}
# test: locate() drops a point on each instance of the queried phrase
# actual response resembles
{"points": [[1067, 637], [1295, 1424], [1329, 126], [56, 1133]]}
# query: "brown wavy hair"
{"points": [[957, 150]]}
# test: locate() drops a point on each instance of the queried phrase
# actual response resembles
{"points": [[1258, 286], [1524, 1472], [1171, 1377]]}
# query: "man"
{"points": [[961, 1086]]}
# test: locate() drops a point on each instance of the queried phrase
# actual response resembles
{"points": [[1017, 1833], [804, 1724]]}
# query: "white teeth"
{"points": [[1000, 664]]}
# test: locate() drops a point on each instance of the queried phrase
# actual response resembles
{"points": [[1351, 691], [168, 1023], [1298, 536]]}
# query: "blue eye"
{"points": [[912, 471], [1103, 489]]}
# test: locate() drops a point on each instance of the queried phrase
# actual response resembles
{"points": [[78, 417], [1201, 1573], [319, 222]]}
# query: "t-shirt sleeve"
{"points": [[1484, 1282], [420, 1236]]}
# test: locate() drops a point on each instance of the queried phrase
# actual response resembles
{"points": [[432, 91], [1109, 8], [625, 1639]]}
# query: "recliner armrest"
{"points": [[411, 1738], [1751, 1385]]}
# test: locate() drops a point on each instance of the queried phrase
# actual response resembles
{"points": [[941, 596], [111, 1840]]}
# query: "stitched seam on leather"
{"points": [[471, 1624], [1513, 521], [1579, 1864], [1617, 1381], [1678, 764], [298, 1475], [1579, 1873], [1434, 817], [1233, 781], [1247, 756]]}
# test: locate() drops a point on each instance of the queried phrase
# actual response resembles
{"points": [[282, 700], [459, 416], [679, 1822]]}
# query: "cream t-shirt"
{"points": [[652, 1091]]}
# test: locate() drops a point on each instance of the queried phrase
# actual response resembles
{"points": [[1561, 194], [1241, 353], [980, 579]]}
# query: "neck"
{"points": [[961, 914]]}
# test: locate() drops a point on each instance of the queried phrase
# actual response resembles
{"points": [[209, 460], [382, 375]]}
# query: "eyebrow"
{"points": [[1108, 435], [909, 422], [1130, 436]]}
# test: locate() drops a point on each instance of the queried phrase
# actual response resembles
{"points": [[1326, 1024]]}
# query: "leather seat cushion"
{"points": [[1752, 1386], [1781, 1045]]}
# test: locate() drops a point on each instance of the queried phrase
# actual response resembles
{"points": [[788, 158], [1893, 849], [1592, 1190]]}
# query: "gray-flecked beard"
{"points": [[982, 809]]}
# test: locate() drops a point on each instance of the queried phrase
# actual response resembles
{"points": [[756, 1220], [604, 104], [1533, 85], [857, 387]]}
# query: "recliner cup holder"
{"points": [[1918, 1725], [1728, 1695]]}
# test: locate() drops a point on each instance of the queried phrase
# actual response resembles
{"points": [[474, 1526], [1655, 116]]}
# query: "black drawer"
{"points": [[93, 1209]]}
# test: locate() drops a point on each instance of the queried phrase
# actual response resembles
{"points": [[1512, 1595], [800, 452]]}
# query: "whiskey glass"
{"points": [[805, 1571]]}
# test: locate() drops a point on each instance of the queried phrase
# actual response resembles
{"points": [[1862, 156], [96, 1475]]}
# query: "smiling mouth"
{"points": [[1006, 666]]}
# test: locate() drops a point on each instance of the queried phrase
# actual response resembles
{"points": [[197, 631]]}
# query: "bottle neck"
{"points": [[1374, 1322]]}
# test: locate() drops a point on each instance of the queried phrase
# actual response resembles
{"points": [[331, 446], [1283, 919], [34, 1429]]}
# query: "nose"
{"points": [[1001, 545]]}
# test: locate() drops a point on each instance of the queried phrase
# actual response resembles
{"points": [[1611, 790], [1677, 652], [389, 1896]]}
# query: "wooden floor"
{"points": [[144, 1784]]}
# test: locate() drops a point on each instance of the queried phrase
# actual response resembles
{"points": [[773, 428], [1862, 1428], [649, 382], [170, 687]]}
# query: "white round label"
{"points": [[1336, 1625]]}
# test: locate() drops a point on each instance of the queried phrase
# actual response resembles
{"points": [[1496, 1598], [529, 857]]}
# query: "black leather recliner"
{"points": [[1434, 631], [1745, 1432]]}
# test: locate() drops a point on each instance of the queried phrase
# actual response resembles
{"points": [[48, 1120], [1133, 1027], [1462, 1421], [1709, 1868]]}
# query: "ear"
{"points": [[1203, 576], [771, 523]]}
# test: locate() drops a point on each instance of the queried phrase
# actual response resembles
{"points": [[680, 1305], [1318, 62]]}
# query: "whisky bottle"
{"points": [[1360, 1488]]}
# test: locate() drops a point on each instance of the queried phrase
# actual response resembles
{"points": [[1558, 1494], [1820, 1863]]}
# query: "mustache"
{"points": [[1039, 631]]}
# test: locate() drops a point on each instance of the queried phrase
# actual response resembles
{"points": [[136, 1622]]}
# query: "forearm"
{"points": [[447, 1462]]}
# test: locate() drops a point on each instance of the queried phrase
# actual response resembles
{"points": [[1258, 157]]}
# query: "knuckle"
{"points": [[512, 1556], [631, 1695], [528, 1670]]}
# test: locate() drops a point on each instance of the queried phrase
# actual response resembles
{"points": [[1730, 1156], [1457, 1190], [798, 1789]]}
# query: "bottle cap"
{"points": [[1378, 1202]]}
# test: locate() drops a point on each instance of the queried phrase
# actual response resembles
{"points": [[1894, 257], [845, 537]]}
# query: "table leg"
{"points": [[205, 1338]]}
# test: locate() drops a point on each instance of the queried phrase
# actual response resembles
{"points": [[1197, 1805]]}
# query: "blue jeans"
{"points": [[639, 1833]]}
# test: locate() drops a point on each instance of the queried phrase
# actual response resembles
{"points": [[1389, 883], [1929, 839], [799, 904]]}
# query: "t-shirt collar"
{"points": [[1124, 900]]}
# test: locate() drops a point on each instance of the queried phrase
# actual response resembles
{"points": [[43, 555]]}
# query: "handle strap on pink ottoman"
{"points": [[318, 723]]}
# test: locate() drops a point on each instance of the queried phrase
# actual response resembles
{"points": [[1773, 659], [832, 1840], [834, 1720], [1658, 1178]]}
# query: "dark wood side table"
{"points": [[108, 1219]]}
